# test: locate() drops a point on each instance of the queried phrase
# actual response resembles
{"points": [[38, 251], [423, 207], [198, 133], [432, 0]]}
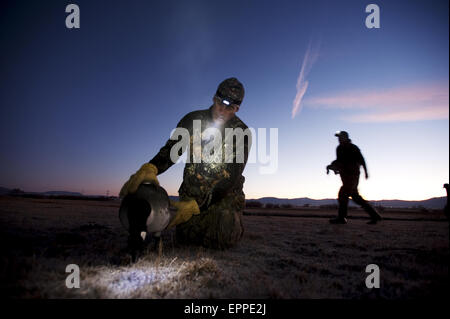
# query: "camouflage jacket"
{"points": [[205, 182]]}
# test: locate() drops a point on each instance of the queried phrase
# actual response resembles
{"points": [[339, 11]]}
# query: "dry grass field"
{"points": [[285, 253]]}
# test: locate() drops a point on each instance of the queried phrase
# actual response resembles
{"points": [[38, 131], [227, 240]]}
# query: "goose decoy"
{"points": [[145, 211]]}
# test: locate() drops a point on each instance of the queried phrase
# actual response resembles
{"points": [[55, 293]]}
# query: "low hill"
{"points": [[432, 203]]}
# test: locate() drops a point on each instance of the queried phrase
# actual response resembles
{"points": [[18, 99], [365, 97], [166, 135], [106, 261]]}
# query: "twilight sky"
{"points": [[82, 109]]}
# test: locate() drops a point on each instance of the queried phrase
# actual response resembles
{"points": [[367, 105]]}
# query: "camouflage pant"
{"points": [[219, 227], [350, 189]]}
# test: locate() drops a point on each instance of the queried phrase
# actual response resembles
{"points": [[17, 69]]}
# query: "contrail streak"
{"points": [[302, 84]]}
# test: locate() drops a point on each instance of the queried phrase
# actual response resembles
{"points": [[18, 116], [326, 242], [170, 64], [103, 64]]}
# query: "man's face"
{"points": [[223, 113], [342, 139]]}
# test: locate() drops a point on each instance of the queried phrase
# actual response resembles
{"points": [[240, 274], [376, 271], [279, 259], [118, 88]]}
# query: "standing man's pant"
{"points": [[219, 227], [350, 189]]}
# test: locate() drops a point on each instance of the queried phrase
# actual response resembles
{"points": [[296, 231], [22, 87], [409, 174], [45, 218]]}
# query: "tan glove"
{"points": [[185, 210], [147, 173]]}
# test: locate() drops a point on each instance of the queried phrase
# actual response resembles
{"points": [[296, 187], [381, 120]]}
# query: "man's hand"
{"points": [[185, 210], [147, 173], [367, 175], [333, 167]]}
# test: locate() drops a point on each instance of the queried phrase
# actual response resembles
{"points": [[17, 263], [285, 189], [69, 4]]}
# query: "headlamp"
{"points": [[225, 100]]}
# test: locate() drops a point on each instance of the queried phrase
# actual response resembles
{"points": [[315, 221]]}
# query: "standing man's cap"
{"points": [[341, 134], [231, 89]]}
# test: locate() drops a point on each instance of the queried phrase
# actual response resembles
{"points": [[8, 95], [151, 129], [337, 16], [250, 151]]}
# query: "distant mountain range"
{"points": [[432, 203], [4, 191]]}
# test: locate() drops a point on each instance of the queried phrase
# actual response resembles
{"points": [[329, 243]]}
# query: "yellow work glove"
{"points": [[147, 173], [185, 210]]}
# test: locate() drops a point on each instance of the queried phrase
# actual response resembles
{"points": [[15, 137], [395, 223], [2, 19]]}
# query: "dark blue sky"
{"points": [[82, 109]]}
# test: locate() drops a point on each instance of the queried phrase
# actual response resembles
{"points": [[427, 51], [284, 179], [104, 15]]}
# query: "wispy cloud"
{"points": [[312, 53], [415, 103], [413, 115]]}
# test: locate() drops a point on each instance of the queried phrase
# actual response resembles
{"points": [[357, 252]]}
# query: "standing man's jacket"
{"points": [[349, 159]]}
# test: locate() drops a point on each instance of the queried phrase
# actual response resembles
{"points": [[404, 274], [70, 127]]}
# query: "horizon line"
{"points": [[281, 198]]}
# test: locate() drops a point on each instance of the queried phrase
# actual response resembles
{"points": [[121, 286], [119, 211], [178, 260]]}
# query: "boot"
{"points": [[374, 216], [374, 220], [339, 220]]}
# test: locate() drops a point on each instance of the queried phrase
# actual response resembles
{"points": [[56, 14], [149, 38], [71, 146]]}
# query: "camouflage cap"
{"points": [[231, 88]]}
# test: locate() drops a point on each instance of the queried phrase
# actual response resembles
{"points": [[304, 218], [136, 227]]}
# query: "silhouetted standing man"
{"points": [[347, 164], [447, 207]]}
